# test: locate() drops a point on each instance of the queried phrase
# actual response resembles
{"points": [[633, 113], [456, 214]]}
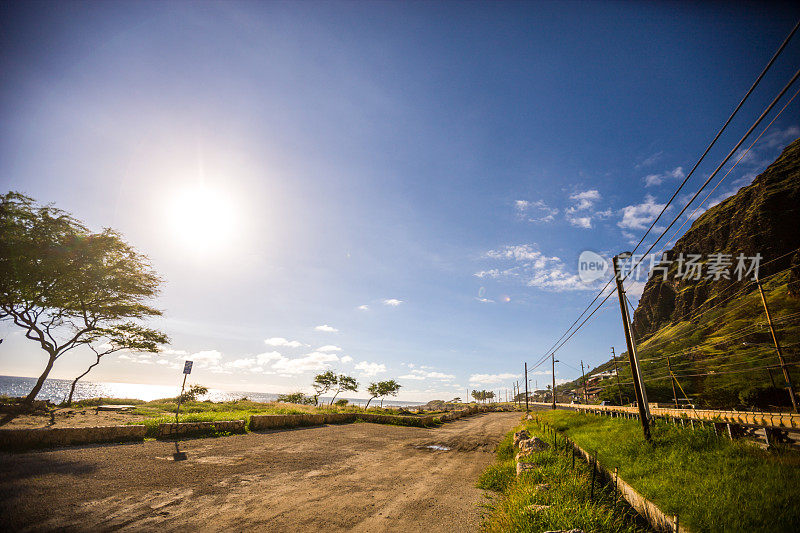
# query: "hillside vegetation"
{"points": [[715, 333]]}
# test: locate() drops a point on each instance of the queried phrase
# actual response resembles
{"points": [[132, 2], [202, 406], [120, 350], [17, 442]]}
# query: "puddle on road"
{"points": [[435, 447]]}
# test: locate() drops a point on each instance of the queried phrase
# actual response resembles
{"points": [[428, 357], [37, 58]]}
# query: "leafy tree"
{"points": [[344, 383], [382, 389], [194, 392], [67, 287], [342, 403], [457, 399], [296, 397], [323, 383]]}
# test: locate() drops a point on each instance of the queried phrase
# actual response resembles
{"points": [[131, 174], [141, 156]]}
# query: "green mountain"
{"points": [[714, 332]]}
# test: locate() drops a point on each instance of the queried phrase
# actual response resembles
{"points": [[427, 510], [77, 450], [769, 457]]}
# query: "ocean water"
{"points": [[57, 390]]}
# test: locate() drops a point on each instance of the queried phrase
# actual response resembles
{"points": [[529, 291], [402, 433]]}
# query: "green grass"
{"points": [[713, 484], [568, 496]]}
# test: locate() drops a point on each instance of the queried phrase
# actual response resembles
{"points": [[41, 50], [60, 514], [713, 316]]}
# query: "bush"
{"points": [[341, 403], [298, 398], [764, 397], [193, 393]]}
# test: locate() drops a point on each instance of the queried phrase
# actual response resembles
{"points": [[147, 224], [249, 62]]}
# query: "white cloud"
{"points": [[533, 268], [243, 364], [537, 211], [392, 302], [280, 341], [581, 213], [419, 374], [641, 215], [363, 307], [267, 358], [676, 173], [585, 199], [346, 359], [580, 222], [484, 300], [205, 358], [170, 351], [326, 328], [328, 348], [313, 362], [370, 369], [489, 379]]}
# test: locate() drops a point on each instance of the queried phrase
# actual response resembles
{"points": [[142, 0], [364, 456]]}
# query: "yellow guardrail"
{"points": [[777, 420]]}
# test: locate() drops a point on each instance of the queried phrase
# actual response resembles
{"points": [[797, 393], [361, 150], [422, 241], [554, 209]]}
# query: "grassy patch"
{"points": [[713, 484], [567, 497]]}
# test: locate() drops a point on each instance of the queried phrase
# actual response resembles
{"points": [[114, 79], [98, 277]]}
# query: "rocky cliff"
{"points": [[763, 217]]}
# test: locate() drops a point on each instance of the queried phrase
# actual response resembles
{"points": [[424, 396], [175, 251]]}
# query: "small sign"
{"points": [[187, 367]]}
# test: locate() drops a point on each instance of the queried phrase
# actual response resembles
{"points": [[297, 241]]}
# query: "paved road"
{"points": [[359, 477]]}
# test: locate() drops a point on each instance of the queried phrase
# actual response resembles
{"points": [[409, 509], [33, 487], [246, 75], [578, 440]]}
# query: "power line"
{"points": [[675, 194], [719, 167]]}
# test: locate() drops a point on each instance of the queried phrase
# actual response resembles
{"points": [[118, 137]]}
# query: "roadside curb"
{"points": [[26, 439]]}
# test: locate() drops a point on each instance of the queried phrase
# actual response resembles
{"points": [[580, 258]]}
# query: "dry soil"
{"points": [[354, 477]]}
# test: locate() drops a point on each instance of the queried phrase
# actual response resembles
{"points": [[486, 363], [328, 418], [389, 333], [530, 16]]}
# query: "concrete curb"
{"points": [[17, 439]]}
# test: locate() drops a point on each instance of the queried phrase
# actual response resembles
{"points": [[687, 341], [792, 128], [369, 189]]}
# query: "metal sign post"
{"points": [[187, 369]]}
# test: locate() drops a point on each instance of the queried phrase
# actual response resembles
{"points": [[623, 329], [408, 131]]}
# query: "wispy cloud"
{"points": [[326, 328], [652, 180], [535, 211], [346, 359], [392, 302], [363, 307], [650, 161], [420, 374], [490, 379]]}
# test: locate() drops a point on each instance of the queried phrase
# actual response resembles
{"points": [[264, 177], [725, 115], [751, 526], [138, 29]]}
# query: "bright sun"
{"points": [[202, 219]]}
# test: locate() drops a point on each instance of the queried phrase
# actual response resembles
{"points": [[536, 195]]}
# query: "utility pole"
{"points": [[619, 387], [786, 375], [527, 410], [585, 394], [672, 378], [638, 386], [553, 355]]}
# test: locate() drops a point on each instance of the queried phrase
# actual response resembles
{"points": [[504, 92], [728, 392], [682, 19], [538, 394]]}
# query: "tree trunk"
{"points": [[32, 395], [334, 397], [381, 403], [367, 406], [40, 382], [75, 382]]}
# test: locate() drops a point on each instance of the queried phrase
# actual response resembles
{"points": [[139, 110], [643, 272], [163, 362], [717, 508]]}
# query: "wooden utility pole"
{"points": [[526, 388], [786, 375], [638, 386], [619, 386], [585, 394], [672, 379], [554, 379]]}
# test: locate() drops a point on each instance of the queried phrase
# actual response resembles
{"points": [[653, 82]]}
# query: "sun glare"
{"points": [[202, 219]]}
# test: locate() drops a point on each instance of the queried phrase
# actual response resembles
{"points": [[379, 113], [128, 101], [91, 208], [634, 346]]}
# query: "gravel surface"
{"points": [[355, 477]]}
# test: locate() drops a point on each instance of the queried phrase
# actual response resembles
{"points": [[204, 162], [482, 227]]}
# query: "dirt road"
{"points": [[356, 477]]}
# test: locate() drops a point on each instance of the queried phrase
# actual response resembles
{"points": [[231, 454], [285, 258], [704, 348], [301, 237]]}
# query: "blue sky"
{"points": [[393, 190]]}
